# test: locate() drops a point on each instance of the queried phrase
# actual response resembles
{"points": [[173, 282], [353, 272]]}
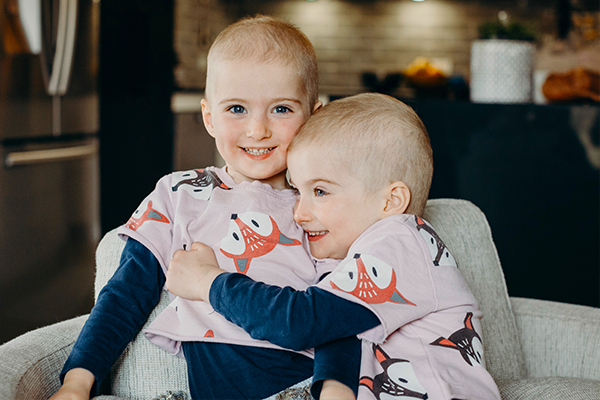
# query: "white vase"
{"points": [[502, 71]]}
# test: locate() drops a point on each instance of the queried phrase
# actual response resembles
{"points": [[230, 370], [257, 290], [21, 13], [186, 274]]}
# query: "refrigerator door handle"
{"points": [[14, 159], [67, 64], [65, 48]]}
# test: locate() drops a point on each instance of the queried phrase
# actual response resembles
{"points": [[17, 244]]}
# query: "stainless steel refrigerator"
{"points": [[49, 177]]}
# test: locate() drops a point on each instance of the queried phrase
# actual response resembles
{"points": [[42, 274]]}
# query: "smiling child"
{"points": [[362, 168], [261, 87]]}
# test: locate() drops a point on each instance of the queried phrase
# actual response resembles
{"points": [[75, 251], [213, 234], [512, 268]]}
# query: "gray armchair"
{"points": [[534, 349]]}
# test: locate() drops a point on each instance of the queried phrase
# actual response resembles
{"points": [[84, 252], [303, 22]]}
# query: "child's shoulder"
{"points": [[411, 231], [398, 226], [199, 183], [410, 221]]}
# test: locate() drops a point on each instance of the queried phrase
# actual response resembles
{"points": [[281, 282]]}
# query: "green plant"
{"points": [[511, 31]]}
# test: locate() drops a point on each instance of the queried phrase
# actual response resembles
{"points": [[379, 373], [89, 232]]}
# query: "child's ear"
{"points": [[207, 118], [397, 196], [317, 106]]}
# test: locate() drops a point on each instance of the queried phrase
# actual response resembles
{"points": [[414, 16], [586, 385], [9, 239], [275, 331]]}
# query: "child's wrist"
{"points": [[334, 390], [210, 274], [79, 380], [81, 375]]}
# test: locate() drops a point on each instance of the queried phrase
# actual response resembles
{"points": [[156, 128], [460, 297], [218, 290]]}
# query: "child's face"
{"points": [[333, 207], [253, 111]]}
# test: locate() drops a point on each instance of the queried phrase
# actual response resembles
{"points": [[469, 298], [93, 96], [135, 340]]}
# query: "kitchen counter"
{"points": [[184, 102]]}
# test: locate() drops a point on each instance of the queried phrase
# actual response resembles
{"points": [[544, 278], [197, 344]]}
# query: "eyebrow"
{"points": [[287, 99], [315, 180], [277, 100], [233, 100]]}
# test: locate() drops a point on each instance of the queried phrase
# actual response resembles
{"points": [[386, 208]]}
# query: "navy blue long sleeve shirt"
{"points": [[126, 301], [294, 319], [123, 306]]}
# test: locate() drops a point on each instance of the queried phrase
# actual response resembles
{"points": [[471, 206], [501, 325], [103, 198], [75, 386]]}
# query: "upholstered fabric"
{"points": [[559, 339], [30, 364], [534, 349], [549, 388], [144, 370]]}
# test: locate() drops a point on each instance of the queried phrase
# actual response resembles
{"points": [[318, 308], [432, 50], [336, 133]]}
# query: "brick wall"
{"points": [[197, 23], [356, 36]]}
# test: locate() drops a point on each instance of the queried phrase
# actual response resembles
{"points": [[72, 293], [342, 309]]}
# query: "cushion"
{"points": [[30, 363], [143, 371], [558, 339], [549, 388]]}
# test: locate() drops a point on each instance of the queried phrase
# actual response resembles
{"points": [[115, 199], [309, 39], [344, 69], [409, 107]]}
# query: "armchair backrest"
{"points": [[145, 371]]}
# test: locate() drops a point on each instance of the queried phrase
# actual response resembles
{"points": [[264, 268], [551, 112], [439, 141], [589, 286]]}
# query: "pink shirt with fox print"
{"points": [[251, 229], [428, 345]]}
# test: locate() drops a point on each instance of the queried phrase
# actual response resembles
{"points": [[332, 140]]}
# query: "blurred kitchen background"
{"points": [[79, 155]]}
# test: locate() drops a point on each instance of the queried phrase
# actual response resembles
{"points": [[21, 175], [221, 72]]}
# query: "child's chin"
{"points": [[316, 251], [319, 253]]}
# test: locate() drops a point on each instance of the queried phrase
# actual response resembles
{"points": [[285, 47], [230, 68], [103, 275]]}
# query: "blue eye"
{"points": [[281, 109], [320, 192], [237, 109]]}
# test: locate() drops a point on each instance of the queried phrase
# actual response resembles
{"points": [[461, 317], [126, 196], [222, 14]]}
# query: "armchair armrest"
{"points": [[558, 339], [32, 362]]}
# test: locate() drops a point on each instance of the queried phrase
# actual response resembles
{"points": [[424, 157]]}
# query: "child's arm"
{"points": [[122, 307], [337, 362], [334, 390], [300, 320], [283, 316], [77, 385], [288, 317], [337, 370]]}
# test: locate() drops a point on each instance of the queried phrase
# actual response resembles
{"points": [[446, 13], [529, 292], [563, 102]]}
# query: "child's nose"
{"points": [[300, 212], [258, 128]]}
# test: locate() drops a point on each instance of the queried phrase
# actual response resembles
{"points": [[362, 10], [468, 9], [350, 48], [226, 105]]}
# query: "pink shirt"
{"points": [[251, 229], [428, 343]]}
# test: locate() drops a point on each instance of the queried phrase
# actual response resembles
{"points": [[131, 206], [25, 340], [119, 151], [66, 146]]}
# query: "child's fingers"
{"points": [[197, 246], [178, 253]]}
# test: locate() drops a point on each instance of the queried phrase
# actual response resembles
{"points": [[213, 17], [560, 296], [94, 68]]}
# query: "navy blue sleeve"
{"points": [[289, 318], [123, 306], [338, 360]]}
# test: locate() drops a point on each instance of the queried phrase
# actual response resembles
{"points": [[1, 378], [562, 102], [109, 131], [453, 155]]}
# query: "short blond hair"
{"points": [[380, 140], [266, 39]]}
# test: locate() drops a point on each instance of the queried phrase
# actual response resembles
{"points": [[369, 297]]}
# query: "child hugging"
{"points": [[261, 87], [361, 168], [337, 284]]}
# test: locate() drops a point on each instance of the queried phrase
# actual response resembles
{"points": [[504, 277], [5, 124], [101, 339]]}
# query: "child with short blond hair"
{"points": [[362, 167], [383, 141], [264, 40], [261, 87]]}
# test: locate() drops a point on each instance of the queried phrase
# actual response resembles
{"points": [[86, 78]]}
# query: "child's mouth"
{"points": [[258, 152], [313, 236]]}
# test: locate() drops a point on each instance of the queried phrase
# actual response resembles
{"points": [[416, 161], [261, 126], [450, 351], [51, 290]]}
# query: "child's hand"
{"points": [[334, 390], [192, 272], [76, 386]]}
